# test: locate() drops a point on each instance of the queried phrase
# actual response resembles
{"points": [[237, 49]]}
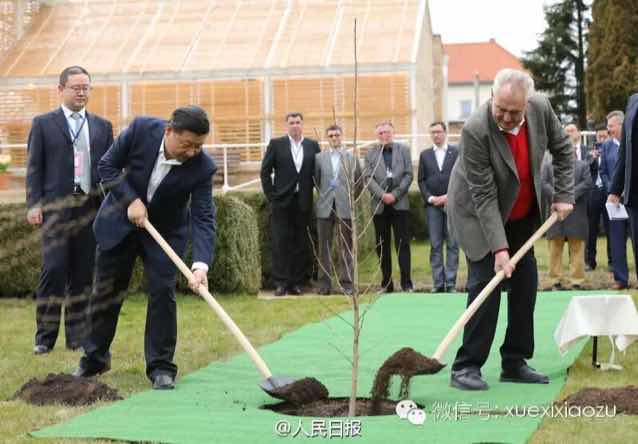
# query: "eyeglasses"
{"points": [[79, 88], [334, 135]]}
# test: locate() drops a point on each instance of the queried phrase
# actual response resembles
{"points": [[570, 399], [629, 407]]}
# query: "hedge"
{"points": [[243, 257], [237, 260]]}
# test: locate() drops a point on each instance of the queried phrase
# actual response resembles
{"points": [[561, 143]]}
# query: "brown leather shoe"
{"points": [[619, 286]]}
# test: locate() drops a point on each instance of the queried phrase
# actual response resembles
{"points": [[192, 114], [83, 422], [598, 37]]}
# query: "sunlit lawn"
{"points": [[202, 339]]}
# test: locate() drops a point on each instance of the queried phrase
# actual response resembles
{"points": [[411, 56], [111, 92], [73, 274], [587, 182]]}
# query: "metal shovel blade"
{"points": [[273, 385]]}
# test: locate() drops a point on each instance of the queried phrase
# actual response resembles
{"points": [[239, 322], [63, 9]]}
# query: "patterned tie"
{"points": [[81, 147]]}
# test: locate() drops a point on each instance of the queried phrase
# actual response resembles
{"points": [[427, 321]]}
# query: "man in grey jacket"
{"points": [[493, 208], [338, 179], [388, 175]]}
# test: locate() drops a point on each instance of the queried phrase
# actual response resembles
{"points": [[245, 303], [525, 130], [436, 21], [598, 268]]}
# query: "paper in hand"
{"points": [[616, 212]]}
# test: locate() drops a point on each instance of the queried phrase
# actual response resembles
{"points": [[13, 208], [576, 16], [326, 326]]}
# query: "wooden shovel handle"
{"points": [[204, 293], [476, 303]]}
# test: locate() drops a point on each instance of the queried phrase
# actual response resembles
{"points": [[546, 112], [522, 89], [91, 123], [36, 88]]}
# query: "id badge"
{"points": [[78, 164]]}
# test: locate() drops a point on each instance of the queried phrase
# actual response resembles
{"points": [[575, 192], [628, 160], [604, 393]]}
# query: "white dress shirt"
{"points": [[297, 152], [72, 122], [439, 153], [160, 171], [84, 132]]}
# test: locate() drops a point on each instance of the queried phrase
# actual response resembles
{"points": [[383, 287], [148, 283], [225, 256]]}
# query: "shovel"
{"points": [[429, 366], [478, 301], [281, 387]]}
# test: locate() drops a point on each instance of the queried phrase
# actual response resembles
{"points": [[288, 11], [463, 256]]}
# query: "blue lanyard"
{"points": [[76, 135]]}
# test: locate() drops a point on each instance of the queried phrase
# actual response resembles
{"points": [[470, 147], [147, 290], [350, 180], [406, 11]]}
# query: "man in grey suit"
{"points": [[338, 179], [493, 208], [388, 175]]}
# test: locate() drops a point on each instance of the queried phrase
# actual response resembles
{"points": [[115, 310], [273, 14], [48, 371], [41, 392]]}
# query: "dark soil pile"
{"points": [[405, 363], [65, 389], [335, 407], [625, 399], [303, 391]]}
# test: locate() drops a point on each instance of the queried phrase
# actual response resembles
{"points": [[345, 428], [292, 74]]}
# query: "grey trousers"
{"points": [[343, 252], [443, 276]]}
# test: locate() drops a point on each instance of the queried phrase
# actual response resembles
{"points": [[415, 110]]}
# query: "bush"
{"points": [[417, 223], [20, 252], [236, 268]]}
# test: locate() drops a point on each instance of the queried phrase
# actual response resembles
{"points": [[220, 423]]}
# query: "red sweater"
{"points": [[520, 151]]}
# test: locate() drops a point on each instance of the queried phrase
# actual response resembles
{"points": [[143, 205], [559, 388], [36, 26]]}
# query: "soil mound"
{"points": [[625, 399], [65, 389]]}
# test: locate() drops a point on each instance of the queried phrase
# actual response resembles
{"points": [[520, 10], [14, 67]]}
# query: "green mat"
{"points": [[222, 403]]}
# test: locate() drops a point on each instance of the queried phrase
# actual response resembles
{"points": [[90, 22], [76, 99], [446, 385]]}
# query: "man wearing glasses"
{"points": [[64, 148], [338, 179]]}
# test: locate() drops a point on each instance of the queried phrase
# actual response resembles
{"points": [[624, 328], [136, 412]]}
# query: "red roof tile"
{"points": [[464, 59]]}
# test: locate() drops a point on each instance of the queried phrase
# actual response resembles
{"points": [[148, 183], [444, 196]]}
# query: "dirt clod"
{"points": [[405, 363], [65, 389], [625, 399], [302, 391]]}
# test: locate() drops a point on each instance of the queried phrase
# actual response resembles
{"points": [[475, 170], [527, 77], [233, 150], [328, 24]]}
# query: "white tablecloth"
{"points": [[600, 315]]}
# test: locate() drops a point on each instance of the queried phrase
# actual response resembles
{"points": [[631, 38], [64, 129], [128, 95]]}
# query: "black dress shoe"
{"points": [[163, 382], [347, 291], [324, 291], [280, 291], [524, 374], [468, 379], [41, 349], [437, 290], [388, 288], [85, 372], [296, 290], [73, 346], [408, 289]]}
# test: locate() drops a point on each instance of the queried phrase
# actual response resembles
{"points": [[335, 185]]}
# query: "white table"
{"points": [[598, 315]]}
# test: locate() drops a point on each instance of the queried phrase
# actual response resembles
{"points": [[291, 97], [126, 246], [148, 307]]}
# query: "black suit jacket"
{"points": [[625, 176], [433, 182], [183, 198], [278, 158], [50, 169]]}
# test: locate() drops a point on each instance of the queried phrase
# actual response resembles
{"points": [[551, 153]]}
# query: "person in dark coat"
{"points": [[573, 229]]}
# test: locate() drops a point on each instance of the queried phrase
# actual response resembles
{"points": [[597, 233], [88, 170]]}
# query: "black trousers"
{"points": [[521, 299], [68, 258], [596, 209], [290, 245], [397, 221], [113, 273]]}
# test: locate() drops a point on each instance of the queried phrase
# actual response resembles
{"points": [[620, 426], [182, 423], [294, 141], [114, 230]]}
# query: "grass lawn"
{"points": [[202, 339]]}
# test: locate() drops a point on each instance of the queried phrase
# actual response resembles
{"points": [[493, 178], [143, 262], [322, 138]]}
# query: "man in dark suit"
{"points": [[617, 228], [64, 148], [596, 204], [435, 166], [388, 175], [493, 208], [292, 159], [624, 184], [155, 170]]}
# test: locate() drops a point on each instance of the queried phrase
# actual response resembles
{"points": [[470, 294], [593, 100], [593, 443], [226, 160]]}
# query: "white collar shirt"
{"points": [[439, 154], [160, 171]]}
